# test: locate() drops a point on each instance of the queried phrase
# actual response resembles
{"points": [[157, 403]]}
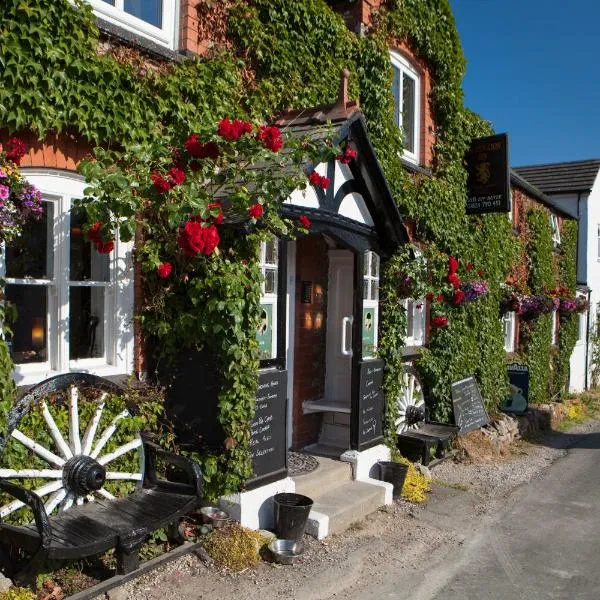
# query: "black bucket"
{"points": [[394, 473], [291, 515]]}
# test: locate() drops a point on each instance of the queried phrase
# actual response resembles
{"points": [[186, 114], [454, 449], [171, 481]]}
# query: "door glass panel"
{"points": [[270, 281], [29, 342], [369, 328], [146, 10], [374, 265], [86, 322], [31, 255], [271, 252]]}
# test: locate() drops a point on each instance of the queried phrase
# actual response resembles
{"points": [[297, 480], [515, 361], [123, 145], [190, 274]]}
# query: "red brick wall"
{"points": [[309, 345], [203, 25]]}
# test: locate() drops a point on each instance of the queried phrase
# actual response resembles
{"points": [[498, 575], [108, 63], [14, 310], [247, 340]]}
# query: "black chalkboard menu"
{"points": [[469, 411], [268, 443], [371, 404]]}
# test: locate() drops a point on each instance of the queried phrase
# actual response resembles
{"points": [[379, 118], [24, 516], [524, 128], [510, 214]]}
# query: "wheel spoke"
{"points": [[30, 474], [106, 494], [38, 449], [56, 434], [88, 438], [103, 460], [54, 500], [42, 491], [66, 503], [125, 476], [74, 421], [107, 433]]}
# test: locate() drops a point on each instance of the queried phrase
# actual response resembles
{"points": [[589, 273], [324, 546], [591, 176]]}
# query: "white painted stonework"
{"points": [[254, 508], [364, 467]]}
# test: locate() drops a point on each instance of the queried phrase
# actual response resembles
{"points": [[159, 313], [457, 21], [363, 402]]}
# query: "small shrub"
{"points": [[234, 547], [416, 485], [17, 593]]}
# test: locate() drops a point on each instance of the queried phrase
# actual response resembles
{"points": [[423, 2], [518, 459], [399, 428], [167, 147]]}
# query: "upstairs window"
{"points": [[508, 329], [266, 333], [152, 19], [555, 230], [415, 322], [406, 90]]}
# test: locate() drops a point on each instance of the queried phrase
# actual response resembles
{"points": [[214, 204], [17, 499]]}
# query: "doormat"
{"points": [[301, 464]]}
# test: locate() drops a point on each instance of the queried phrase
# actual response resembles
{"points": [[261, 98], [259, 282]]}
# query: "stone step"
{"points": [[335, 510], [325, 450], [327, 476]]}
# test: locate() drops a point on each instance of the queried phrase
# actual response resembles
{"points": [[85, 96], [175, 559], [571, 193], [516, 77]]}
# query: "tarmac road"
{"points": [[543, 543]]}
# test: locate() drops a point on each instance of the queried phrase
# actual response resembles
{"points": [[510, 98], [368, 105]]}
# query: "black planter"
{"points": [[291, 515], [394, 473]]}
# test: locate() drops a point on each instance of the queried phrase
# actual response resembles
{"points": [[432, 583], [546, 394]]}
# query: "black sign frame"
{"points": [[366, 425], [488, 181], [264, 420], [467, 404]]}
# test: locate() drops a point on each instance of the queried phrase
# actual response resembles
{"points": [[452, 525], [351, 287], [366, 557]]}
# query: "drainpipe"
{"points": [[587, 339]]}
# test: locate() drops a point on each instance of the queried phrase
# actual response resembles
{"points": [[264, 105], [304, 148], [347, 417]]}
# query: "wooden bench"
{"points": [[80, 517]]}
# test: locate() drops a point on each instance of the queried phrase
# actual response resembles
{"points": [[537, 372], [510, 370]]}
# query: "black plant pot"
{"points": [[394, 473]]}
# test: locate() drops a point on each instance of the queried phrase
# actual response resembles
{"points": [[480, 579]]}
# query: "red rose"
{"points": [[470, 267], [429, 296], [318, 180], [164, 270], [324, 182], [198, 150], [255, 211], [161, 185], [211, 239], [105, 247], [440, 297], [454, 279], [452, 265], [16, 149], [304, 221], [232, 130], [177, 159], [480, 272], [439, 321], [191, 238], [347, 156], [94, 232], [176, 176], [219, 218], [458, 297], [271, 138], [195, 165]]}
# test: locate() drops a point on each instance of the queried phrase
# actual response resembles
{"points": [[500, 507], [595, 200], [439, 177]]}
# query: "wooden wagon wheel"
{"points": [[76, 453], [410, 402]]}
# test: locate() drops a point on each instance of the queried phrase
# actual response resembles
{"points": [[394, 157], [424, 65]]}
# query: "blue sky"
{"points": [[533, 70]]}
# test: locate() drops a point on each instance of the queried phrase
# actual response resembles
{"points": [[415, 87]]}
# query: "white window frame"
{"points": [[555, 230], [510, 208], [407, 70], [555, 328], [508, 331], [581, 327], [371, 283], [62, 188], [164, 36], [270, 298], [598, 241], [418, 310]]}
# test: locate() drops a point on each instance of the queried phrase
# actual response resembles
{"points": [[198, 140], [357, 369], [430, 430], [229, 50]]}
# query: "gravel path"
{"points": [[402, 538]]}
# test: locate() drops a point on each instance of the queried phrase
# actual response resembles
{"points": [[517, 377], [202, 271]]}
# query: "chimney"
{"points": [[343, 93]]}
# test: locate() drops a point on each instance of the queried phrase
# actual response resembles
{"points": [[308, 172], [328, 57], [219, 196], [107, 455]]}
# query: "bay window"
{"points": [[75, 306]]}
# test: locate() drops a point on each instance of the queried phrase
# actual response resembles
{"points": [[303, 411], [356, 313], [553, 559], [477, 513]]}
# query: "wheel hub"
{"points": [[82, 475], [414, 414]]}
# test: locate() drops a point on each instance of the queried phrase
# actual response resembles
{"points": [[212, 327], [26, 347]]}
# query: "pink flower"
{"points": [[4, 192], [255, 211], [15, 150], [164, 270]]}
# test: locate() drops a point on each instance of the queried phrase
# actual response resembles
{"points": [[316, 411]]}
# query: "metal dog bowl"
{"points": [[286, 552], [211, 515]]}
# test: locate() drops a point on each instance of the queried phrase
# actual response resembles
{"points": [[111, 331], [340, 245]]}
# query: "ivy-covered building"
{"points": [[349, 303]]}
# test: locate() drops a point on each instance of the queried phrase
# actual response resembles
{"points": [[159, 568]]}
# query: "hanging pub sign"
{"points": [[488, 182]]}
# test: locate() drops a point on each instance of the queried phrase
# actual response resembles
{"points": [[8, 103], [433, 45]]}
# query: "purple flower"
{"points": [[4, 192]]}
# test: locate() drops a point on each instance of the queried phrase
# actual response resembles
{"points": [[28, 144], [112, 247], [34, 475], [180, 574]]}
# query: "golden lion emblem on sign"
{"points": [[483, 172]]}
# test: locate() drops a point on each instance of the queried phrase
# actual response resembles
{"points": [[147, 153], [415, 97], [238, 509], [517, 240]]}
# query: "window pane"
{"points": [[418, 321], [374, 289], [31, 255], [264, 332], [408, 112], [86, 263], [366, 289], [86, 322], [29, 342], [271, 253], [111, 2], [374, 264], [396, 92], [410, 320], [270, 281], [146, 10]]}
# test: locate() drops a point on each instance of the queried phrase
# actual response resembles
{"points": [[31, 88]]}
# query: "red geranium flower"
{"points": [[458, 297], [161, 185], [454, 279], [271, 138], [15, 150], [255, 211], [176, 176], [164, 270], [452, 265], [304, 221], [439, 321], [94, 232]]}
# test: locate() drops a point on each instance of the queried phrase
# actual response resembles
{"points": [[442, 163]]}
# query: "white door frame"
{"points": [[290, 320]]}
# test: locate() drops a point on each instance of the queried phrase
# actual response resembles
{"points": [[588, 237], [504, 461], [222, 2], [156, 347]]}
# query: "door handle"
{"points": [[345, 322]]}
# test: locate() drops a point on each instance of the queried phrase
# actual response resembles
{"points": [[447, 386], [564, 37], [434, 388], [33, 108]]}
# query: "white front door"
{"points": [[340, 310]]}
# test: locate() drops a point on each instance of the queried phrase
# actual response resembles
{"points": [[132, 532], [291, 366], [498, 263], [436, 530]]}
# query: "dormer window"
{"points": [[154, 20], [406, 90]]}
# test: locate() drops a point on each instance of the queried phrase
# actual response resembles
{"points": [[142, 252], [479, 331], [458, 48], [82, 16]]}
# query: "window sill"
{"points": [[33, 377]]}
